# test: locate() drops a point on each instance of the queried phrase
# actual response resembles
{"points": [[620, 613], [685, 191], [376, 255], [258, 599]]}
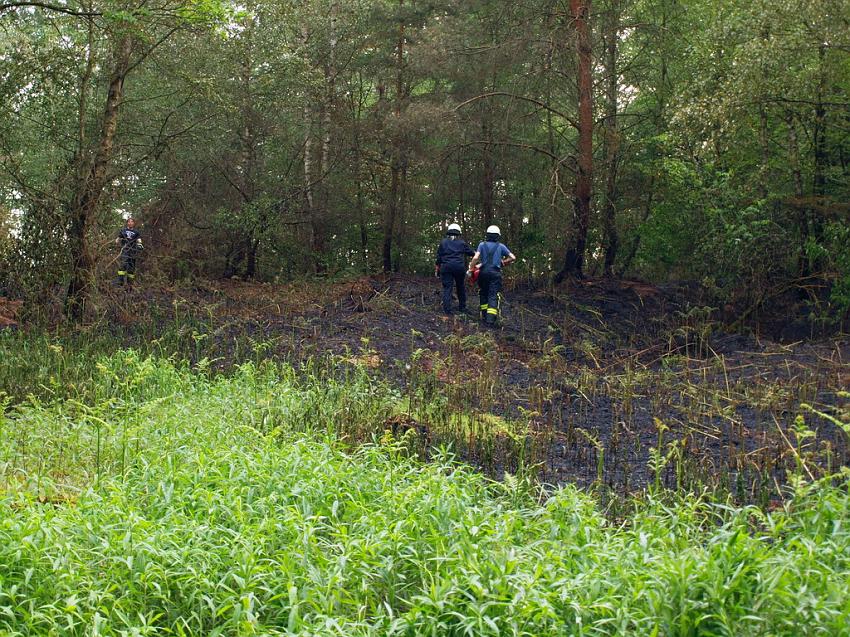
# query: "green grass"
{"points": [[165, 500]]}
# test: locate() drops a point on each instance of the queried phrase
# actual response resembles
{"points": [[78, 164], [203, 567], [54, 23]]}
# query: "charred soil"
{"points": [[612, 383]]}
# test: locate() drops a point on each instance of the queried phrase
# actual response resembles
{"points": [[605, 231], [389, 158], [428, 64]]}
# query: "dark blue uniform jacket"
{"points": [[452, 253]]}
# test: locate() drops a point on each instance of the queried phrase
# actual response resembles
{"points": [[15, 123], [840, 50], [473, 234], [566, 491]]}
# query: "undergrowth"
{"points": [[148, 496]]}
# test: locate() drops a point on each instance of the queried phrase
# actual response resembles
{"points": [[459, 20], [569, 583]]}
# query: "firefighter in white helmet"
{"points": [[492, 254], [451, 267]]}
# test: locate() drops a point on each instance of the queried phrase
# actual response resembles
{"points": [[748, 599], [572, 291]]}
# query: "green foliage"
{"points": [[669, 234], [172, 503], [270, 140]]}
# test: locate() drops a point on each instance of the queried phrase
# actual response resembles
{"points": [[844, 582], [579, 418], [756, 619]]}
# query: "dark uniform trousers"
{"points": [[127, 265], [490, 285], [453, 275], [129, 241]]}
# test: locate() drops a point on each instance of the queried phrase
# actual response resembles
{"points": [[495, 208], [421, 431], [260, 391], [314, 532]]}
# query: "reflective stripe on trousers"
{"points": [[490, 284]]}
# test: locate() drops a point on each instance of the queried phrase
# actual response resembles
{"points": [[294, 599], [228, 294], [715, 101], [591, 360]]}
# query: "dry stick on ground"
{"points": [[793, 450]]}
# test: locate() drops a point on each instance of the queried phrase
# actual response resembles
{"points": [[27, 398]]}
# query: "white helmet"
{"points": [[454, 228], [494, 230]]}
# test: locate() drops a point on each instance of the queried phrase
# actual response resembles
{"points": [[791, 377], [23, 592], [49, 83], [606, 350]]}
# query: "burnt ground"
{"points": [[615, 383]]}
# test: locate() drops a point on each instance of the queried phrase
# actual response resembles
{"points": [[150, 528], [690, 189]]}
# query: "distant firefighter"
{"points": [[451, 267], [492, 254], [130, 241]]}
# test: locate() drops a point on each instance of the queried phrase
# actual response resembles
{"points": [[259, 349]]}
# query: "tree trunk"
{"points": [[309, 177], [612, 139], [249, 155], [763, 185], [461, 194], [574, 257], [797, 174], [309, 200], [794, 156], [321, 213], [819, 132], [765, 153], [251, 259], [516, 212], [401, 237], [390, 217], [487, 173], [89, 190], [84, 90], [815, 225], [361, 218], [658, 118], [397, 162], [647, 211], [356, 104]]}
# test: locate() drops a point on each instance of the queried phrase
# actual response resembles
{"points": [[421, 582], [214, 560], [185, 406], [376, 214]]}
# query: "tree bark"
{"points": [[577, 244], [803, 211], [249, 154], [309, 200], [356, 102], [389, 222], [84, 90], [612, 139], [461, 193], [764, 139], [487, 173], [397, 161], [361, 218], [93, 179], [815, 224], [309, 177], [819, 132], [401, 236], [321, 213], [251, 259], [647, 211], [765, 152], [794, 156]]}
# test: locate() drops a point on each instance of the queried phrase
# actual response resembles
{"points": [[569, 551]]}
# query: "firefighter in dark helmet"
{"points": [[451, 267], [130, 241], [492, 255]]}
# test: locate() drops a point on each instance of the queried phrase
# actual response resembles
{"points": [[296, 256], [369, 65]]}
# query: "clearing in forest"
{"points": [[615, 384]]}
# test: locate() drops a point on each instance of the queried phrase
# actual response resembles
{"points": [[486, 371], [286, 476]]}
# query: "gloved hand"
{"points": [[139, 245]]}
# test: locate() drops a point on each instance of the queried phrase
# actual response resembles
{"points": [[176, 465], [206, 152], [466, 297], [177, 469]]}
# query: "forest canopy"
{"points": [[706, 140]]}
